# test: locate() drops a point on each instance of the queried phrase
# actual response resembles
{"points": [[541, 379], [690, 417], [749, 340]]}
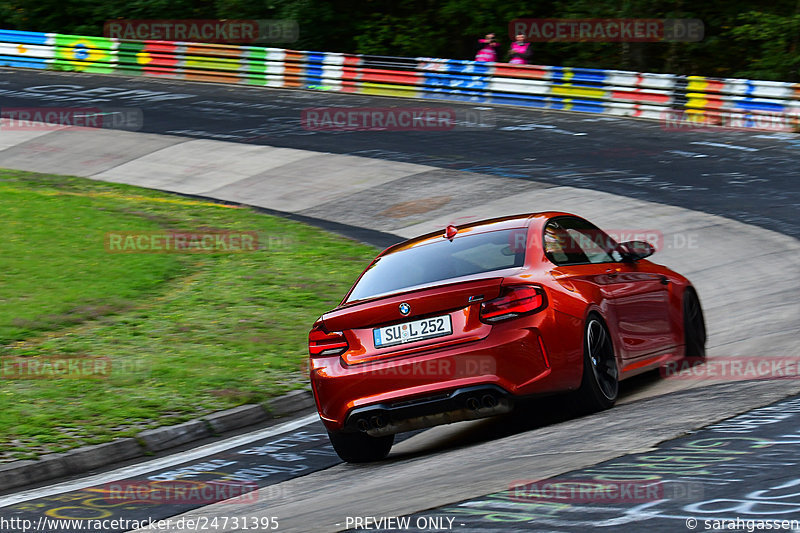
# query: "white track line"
{"points": [[156, 464]]}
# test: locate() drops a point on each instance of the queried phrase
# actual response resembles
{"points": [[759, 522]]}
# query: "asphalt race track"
{"points": [[300, 449], [746, 465], [448, 478], [746, 176], [709, 474]]}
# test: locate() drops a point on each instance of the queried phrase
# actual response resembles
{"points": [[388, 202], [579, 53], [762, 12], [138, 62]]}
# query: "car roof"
{"points": [[480, 226]]}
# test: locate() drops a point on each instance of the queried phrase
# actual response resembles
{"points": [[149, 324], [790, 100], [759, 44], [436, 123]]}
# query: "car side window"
{"points": [[560, 246], [571, 240]]}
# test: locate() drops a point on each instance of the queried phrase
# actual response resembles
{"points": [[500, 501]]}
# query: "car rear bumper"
{"points": [[427, 389], [468, 403]]}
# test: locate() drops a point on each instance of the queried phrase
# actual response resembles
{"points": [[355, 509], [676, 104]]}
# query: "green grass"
{"points": [[185, 333]]}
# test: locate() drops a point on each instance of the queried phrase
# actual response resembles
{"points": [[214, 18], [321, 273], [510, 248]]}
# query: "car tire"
{"points": [[360, 447], [694, 327], [600, 383]]}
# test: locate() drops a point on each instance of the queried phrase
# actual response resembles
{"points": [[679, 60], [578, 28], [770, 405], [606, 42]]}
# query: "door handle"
{"points": [[612, 273], [664, 280]]}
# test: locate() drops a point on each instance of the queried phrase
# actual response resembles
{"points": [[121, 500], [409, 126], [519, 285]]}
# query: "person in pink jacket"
{"points": [[487, 48], [520, 52]]}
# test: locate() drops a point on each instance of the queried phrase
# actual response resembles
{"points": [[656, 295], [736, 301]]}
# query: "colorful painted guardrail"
{"points": [[706, 100]]}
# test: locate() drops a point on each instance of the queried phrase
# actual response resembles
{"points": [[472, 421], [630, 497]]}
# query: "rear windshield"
{"points": [[441, 260]]}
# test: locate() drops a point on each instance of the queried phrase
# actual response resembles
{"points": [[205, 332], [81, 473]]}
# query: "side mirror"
{"points": [[635, 250]]}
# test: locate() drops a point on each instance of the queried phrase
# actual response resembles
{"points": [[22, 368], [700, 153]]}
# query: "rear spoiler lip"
{"points": [[508, 272]]}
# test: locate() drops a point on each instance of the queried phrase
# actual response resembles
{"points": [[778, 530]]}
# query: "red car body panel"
{"points": [[539, 353]]}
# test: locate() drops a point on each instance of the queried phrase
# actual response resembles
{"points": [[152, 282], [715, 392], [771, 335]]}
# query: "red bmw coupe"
{"points": [[457, 325]]}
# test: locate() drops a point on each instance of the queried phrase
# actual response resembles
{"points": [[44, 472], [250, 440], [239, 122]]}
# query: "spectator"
{"points": [[487, 49], [520, 52]]}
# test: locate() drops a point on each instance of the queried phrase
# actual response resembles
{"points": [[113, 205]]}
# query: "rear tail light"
{"points": [[321, 342], [513, 302]]}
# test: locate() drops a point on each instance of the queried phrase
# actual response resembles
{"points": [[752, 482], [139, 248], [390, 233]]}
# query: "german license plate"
{"points": [[416, 330]]}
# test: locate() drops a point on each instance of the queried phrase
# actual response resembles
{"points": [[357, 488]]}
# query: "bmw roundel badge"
{"points": [[405, 309]]}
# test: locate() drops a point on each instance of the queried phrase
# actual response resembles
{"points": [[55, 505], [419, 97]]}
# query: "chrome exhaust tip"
{"points": [[473, 403], [378, 422]]}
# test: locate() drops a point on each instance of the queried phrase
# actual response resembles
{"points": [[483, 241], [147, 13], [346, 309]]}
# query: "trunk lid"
{"points": [[460, 301]]}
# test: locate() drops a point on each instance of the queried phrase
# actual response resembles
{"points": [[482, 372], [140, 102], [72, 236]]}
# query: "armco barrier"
{"points": [[613, 92]]}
